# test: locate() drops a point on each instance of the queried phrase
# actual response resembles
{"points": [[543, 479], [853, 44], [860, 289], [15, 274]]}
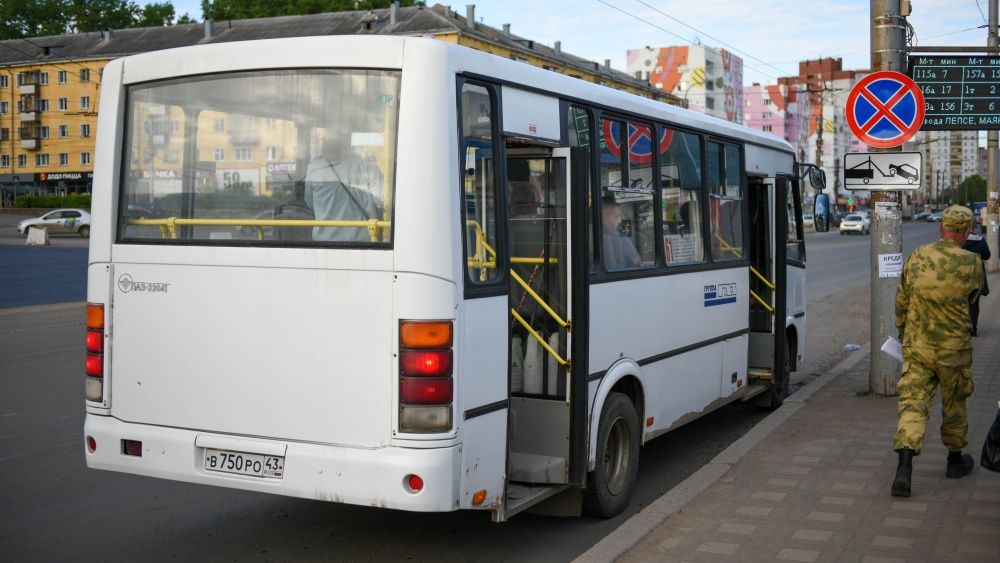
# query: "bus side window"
{"points": [[725, 201], [478, 185], [681, 197]]}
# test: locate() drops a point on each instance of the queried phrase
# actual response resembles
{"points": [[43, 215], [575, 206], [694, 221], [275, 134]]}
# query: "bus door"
{"points": [[540, 319], [768, 229]]}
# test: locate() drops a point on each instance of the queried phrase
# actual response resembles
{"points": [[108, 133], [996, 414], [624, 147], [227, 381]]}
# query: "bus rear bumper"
{"points": [[367, 477]]}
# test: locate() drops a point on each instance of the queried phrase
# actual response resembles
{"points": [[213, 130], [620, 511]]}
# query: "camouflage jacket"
{"points": [[939, 281]]}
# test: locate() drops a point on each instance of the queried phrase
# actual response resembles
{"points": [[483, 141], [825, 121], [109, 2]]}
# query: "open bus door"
{"points": [[542, 424], [769, 362]]}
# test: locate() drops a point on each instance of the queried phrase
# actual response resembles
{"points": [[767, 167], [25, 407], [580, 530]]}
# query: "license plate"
{"points": [[242, 463]]}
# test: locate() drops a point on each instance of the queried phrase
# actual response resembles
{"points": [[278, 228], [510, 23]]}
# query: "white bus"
{"points": [[396, 272]]}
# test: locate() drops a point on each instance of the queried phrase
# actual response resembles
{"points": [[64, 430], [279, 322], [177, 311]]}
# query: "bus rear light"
{"points": [[95, 316], [425, 363], [95, 365], [132, 448], [414, 483], [425, 419], [425, 334], [425, 391], [95, 341], [91, 444], [94, 388]]}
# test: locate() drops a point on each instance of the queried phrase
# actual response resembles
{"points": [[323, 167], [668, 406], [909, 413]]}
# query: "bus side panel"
{"points": [[295, 354]]}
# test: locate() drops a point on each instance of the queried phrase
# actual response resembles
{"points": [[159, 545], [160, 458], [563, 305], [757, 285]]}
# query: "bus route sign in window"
{"points": [[261, 158]]}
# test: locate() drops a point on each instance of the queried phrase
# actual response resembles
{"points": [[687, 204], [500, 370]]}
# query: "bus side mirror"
{"points": [[821, 212]]}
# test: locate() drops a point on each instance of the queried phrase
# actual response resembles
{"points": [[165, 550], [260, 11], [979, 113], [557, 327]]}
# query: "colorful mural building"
{"points": [[707, 79], [781, 110]]}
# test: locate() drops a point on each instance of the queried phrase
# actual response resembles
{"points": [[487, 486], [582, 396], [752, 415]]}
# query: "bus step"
{"points": [[521, 496], [754, 389], [534, 468], [759, 374]]}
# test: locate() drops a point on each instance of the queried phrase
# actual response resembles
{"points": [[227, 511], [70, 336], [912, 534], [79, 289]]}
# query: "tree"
{"points": [[971, 189], [240, 9], [31, 18], [157, 15], [97, 15]]}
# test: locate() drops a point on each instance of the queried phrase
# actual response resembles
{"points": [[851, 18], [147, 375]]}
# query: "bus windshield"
{"points": [[261, 158]]}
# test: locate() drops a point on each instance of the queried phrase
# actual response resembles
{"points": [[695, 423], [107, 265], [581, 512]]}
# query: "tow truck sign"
{"points": [[874, 171]]}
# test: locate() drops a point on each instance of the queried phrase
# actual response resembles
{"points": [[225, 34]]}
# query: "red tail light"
{"points": [[426, 363], [95, 341], [425, 390], [95, 365]]}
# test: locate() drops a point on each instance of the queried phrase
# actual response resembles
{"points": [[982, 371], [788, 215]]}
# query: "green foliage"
{"points": [[31, 18], [971, 189], [53, 201], [241, 9]]}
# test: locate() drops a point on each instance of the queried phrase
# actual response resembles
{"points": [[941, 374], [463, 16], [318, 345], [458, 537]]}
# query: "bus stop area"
{"points": [[811, 482]]}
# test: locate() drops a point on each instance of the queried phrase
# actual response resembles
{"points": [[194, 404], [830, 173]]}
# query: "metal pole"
{"points": [[888, 37], [993, 168]]}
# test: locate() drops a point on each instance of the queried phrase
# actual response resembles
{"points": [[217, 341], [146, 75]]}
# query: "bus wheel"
{"points": [[610, 484]]}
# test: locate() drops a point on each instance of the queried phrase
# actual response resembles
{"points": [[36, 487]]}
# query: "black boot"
{"points": [[959, 465], [901, 485]]}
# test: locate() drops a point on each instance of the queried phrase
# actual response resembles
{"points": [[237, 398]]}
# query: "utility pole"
{"points": [[993, 163], [888, 52]]}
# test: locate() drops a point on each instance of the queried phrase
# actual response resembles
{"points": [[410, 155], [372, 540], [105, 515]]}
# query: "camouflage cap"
{"points": [[957, 218]]}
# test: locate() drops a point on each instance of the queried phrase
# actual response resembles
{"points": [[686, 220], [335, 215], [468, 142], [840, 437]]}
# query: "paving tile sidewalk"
{"points": [[816, 488]]}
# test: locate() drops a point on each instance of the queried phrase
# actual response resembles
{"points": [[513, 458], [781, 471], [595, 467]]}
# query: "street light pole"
{"points": [[888, 43]]}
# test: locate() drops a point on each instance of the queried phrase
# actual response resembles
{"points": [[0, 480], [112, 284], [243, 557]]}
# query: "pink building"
{"points": [[779, 109]]}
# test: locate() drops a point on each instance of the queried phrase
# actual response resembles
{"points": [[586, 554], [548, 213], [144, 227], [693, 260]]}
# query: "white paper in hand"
{"points": [[893, 348]]}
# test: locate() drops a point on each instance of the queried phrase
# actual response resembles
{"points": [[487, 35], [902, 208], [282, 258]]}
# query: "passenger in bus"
{"points": [[618, 250], [329, 193]]}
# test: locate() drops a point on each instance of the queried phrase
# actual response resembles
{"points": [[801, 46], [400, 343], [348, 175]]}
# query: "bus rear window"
{"points": [[303, 157]]}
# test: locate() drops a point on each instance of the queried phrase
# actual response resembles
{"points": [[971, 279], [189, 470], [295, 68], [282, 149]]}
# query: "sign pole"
{"points": [[888, 33], [993, 164]]}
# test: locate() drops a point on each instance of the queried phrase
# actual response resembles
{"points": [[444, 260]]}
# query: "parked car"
{"points": [[922, 216], [935, 217], [808, 221], [855, 223], [59, 221]]}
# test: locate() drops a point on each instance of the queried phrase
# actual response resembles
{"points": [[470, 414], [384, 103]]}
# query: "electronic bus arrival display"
{"points": [[960, 93]]}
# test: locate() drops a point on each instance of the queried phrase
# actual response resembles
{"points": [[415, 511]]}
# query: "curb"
{"points": [[633, 530]]}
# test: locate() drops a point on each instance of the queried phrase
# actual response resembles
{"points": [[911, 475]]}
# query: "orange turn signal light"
{"points": [[425, 334], [95, 315], [478, 497]]}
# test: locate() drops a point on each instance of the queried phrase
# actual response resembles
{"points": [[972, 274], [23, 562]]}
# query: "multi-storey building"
{"points": [[828, 86], [948, 158], [781, 110], [709, 80], [49, 90]]}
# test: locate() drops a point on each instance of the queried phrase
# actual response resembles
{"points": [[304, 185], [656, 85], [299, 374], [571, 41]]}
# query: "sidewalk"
{"points": [[811, 483]]}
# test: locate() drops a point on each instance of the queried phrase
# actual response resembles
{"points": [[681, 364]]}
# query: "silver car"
{"points": [[59, 221], [856, 223]]}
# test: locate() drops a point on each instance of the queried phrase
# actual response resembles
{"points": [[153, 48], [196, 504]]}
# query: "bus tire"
{"points": [[610, 484]]}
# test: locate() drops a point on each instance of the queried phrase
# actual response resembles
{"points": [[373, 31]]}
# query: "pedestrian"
{"points": [[977, 243], [938, 282]]}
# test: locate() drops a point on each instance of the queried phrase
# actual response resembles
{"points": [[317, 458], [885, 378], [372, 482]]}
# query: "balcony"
{"points": [[30, 116], [28, 89], [31, 144]]}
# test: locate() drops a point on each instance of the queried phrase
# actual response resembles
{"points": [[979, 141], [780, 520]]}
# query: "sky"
{"points": [[771, 36]]}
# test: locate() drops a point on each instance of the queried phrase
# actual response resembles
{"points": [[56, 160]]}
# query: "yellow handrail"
{"points": [[168, 226], [724, 246], [538, 299], [562, 361], [769, 308], [762, 278]]}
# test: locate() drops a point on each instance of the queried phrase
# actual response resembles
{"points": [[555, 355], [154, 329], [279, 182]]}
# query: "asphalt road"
{"points": [[57, 509]]}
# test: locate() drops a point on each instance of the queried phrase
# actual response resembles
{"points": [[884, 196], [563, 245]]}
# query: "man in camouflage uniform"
{"points": [[938, 282]]}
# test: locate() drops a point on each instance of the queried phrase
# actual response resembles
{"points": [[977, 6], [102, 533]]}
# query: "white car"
{"points": [[59, 221], [856, 223]]}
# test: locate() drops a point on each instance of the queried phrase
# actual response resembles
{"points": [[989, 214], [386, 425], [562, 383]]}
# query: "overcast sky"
{"points": [[771, 36]]}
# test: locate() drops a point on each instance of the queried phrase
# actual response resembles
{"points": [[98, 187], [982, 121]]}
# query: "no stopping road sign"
{"points": [[885, 109]]}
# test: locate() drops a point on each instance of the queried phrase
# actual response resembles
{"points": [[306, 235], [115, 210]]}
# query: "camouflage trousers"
{"points": [[923, 370]]}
